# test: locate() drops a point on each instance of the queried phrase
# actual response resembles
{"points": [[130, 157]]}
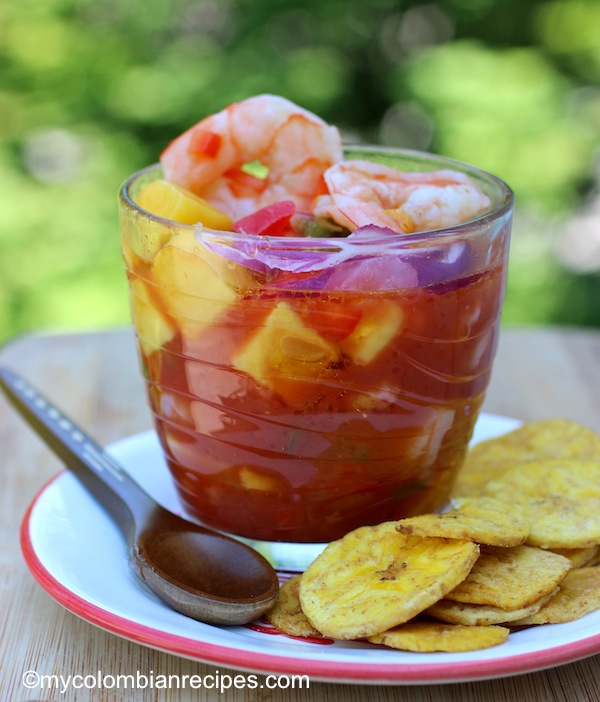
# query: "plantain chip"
{"points": [[514, 549], [480, 519], [561, 498], [483, 615], [580, 557], [375, 578], [578, 594], [286, 615], [511, 578], [550, 438], [433, 636], [595, 560]]}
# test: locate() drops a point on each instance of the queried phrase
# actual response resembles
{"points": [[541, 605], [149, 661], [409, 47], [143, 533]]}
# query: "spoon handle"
{"points": [[103, 477]]}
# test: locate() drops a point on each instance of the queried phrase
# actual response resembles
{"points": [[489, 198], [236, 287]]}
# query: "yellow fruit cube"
{"points": [[142, 238], [195, 285], [173, 202], [286, 348], [190, 288], [380, 322], [153, 329], [253, 479]]}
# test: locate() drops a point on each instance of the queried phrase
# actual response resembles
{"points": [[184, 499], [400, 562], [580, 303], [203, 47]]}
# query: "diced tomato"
{"points": [[335, 321], [273, 220], [204, 143]]}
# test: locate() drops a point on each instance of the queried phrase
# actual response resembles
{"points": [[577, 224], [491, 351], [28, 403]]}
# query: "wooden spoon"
{"points": [[201, 573]]}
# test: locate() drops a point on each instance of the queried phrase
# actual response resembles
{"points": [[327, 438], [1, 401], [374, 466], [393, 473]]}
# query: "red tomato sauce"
{"points": [[309, 431]]}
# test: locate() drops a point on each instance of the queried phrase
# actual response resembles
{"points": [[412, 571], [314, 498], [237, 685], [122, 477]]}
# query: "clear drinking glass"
{"points": [[303, 387]]}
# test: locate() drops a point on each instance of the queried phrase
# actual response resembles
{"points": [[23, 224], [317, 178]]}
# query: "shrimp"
{"points": [[362, 193], [293, 146]]}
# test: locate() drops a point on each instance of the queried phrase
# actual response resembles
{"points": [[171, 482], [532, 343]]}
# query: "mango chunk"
{"points": [[142, 238], [153, 329], [190, 288], [252, 479], [196, 285], [380, 322], [286, 348], [171, 201], [228, 271]]}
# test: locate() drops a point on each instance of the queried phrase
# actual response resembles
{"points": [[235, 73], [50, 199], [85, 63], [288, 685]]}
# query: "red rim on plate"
{"points": [[325, 669]]}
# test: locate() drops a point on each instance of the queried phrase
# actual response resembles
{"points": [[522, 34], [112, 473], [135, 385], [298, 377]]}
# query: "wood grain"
{"points": [[94, 377]]}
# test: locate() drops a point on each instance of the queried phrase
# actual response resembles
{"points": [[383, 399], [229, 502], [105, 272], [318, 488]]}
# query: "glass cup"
{"points": [[304, 387]]}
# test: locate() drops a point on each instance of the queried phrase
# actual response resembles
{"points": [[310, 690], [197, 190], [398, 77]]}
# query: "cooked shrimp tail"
{"points": [[253, 154]]}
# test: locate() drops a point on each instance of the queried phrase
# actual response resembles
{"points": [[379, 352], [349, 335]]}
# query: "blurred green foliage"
{"points": [[91, 90]]}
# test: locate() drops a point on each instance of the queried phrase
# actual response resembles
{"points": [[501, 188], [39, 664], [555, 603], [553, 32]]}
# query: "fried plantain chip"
{"points": [[595, 560], [286, 615], [471, 482], [550, 438], [579, 557], [561, 499], [578, 594], [480, 519], [483, 615], [511, 578], [375, 578], [433, 636]]}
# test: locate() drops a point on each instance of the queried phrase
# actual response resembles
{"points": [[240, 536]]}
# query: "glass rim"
{"points": [[503, 207]]}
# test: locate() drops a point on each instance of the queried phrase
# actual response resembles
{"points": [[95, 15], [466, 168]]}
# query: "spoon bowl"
{"points": [[231, 582], [198, 572]]}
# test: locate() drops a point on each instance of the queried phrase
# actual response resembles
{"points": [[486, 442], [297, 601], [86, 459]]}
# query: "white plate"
{"points": [[77, 555]]}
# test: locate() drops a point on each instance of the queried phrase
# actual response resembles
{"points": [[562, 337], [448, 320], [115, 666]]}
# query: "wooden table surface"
{"points": [[94, 378]]}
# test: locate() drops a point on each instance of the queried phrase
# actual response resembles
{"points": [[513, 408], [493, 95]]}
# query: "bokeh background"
{"points": [[91, 90]]}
